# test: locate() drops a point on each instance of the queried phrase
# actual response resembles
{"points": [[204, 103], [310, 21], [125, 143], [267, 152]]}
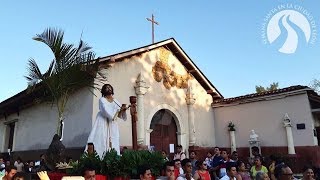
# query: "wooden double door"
{"points": [[164, 131]]}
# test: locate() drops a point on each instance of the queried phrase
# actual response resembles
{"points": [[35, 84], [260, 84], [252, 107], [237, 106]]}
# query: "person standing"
{"points": [[187, 169], [242, 172], [29, 168], [164, 155], [214, 171], [2, 167], [193, 159], [202, 173], [231, 172], [179, 153], [224, 162], [19, 165], [105, 131], [258, 167]]}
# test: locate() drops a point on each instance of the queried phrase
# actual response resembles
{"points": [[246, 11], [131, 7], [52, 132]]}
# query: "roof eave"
{"points": [[261, 98]]}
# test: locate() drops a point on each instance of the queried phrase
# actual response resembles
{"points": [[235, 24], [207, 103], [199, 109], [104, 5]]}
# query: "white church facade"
{"points": [[176, 104]]}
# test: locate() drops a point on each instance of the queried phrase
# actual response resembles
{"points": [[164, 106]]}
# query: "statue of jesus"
{"points": [[105, 131]]}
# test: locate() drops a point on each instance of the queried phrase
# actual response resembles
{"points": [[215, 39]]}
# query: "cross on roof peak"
{"points": [[152, 22]]}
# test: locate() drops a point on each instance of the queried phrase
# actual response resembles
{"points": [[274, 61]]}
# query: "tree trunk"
{"points": [[56, 152]]}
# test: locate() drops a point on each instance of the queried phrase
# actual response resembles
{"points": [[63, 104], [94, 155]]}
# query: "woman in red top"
{"points": [[202, 172], [177, 168]]}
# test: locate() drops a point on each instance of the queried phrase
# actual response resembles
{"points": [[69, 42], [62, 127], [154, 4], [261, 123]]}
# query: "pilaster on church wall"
{"points": [[316, 123], [204, 116], [2, 134]]}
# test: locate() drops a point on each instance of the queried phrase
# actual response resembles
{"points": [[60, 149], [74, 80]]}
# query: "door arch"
{"points": [[181, 135], [164, 130]]}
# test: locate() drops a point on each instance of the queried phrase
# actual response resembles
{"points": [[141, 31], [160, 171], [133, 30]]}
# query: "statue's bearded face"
{"points": [[109, 90]]}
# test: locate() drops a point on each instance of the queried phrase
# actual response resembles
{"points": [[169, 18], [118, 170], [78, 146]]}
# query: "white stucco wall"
{"points": [[123, 75], [265, 117], [37, 125]]}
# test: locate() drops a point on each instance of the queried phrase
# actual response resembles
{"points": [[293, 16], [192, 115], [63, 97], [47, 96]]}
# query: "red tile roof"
{"points": [[266, 93]]}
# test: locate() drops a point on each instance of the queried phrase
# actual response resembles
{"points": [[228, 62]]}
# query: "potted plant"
{"points": [[131, 160], [86, 160], [74, 171], [231, 126]]}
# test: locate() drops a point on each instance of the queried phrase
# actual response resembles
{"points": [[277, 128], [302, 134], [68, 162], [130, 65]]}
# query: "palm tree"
{"points": [[72, 68], [274, 86]]}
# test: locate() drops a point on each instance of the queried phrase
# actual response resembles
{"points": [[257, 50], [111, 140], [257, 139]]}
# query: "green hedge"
{"points": [[113, 165]]}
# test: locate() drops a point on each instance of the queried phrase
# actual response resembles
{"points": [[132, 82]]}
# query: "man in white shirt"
{"points": [[231, 172], [179, 153], [19, 165]]}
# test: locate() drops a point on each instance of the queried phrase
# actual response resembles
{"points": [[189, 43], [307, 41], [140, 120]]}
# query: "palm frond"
{"points": [[53, 38], [50, 70], [82, 48], [34, 72]]}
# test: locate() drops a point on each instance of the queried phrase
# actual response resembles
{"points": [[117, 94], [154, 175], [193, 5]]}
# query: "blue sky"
{"points": [[222, 37]]}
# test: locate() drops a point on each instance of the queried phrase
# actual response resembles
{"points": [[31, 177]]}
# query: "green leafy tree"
{"points": [[73, 67], [315, 84], [272, 87]]}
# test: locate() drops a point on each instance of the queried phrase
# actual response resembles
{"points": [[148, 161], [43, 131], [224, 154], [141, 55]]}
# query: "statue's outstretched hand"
{"points": [[43, 175]]}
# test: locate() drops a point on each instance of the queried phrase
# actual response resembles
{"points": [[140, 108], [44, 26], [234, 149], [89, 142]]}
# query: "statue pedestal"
{"points": [[233, 141], [254, 143]]}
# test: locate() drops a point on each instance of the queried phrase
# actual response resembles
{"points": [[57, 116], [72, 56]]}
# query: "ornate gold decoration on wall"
{"points": [[162, 71]]}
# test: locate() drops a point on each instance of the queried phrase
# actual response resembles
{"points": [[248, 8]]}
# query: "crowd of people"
{"points": [[218, 165], [222, 165], [18, 169]]}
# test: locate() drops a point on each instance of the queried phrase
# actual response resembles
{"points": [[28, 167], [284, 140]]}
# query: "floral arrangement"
{"points": [[231, 126], [64, 165]]}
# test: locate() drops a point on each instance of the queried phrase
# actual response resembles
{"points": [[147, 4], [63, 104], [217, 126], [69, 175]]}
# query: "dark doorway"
{"points": [[164, 130], [317, 133], [11, 135]]}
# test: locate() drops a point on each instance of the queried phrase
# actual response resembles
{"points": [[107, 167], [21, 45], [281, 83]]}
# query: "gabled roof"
{"points": [[23, 99], [265, 95], [176, 49]]}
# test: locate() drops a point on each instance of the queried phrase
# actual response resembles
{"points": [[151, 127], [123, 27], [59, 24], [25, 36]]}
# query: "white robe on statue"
{"points": [[104, 127]]}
